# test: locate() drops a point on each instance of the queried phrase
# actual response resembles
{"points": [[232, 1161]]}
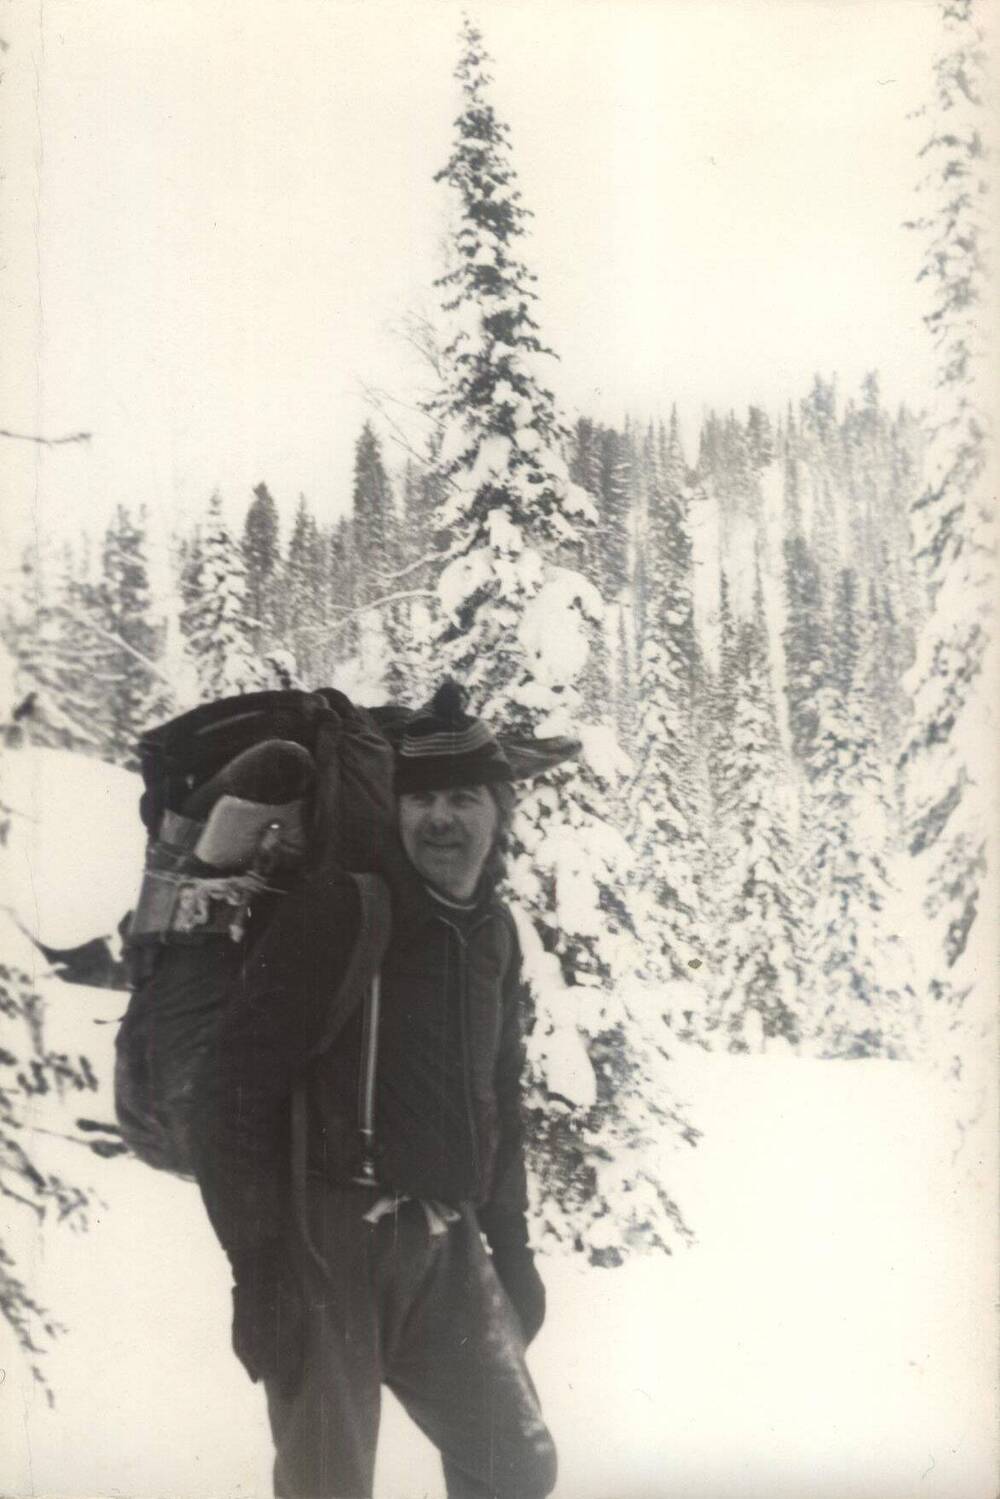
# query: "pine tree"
{"points": [[135, 693], [216, 621], [261, 558], [373, 511], [805, 630], [861, 999], [517, 623], [665, 795], [304, 588], [383, 629], [187, 565], [755, 996], [949, 747], [822, 481], [53, 631], [615, 461], [342, 597]]}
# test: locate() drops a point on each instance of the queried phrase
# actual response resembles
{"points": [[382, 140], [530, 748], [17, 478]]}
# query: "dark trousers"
{"points": [[424, 1314]]}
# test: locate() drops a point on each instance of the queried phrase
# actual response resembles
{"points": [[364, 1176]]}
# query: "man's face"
{"points": [[448, 836]]}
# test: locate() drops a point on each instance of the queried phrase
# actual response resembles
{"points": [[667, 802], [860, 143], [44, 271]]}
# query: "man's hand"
{"points": [[269, 1320], [517, 1274]]}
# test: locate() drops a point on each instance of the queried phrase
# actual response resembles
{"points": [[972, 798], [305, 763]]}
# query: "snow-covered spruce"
{"points": [[666, 802], [215, 621], [858, 977], [518, 618], [137, 691], [756, 991], [948, 754], [303, 595]]}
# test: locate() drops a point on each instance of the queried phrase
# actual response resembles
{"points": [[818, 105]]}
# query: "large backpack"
{"points": [[212, 879]]}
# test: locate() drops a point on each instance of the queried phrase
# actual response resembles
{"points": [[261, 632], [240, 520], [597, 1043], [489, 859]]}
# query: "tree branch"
{"points": [[376, 399], [109, 635], [355, 613], [46, 442], [412, 566]]}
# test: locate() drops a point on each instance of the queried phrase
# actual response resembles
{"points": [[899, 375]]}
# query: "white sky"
{"points": [[217, 213]]}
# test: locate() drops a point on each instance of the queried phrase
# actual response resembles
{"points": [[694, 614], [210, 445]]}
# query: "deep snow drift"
{"points": [[830, 1333]]}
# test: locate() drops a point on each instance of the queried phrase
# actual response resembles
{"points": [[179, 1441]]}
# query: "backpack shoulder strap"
{"points": [[366, 957], [374, 930]]}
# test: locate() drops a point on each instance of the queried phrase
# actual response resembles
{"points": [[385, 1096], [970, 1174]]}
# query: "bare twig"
{"points": [[46, 442], [354, 613], [376, 395], [376, 399], [418, 331], [411, 566], [109, 635], [24, 1201]]}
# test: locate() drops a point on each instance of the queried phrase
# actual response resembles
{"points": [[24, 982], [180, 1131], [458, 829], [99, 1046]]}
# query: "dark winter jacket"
{"points": [[447, 1098]]}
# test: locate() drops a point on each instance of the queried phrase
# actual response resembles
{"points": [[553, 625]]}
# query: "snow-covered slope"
{"points": [[71, 866]]}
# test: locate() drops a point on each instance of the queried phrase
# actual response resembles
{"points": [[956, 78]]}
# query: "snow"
{"points": [[827, 1334], [528, 439], [603, 753], [556, 1048], [454, 440], [553, 633], [491, 464], [462, 577], [75, 849], [504, 535]]}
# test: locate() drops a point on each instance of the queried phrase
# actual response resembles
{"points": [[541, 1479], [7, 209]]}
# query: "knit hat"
{"points": [[443, 746]]}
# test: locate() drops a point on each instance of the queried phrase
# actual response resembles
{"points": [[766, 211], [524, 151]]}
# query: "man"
{"points": [[414, 1152]]}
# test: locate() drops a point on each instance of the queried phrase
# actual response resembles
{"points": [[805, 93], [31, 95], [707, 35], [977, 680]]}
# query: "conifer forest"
{"points": [[770, 632]]}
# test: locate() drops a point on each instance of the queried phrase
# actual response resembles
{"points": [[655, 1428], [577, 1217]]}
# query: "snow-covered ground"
{"points": [[831, 1333]]}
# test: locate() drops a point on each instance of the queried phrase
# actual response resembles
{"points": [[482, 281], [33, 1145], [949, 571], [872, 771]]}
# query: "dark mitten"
{"points": [[269, 1320], [523, 1284]]}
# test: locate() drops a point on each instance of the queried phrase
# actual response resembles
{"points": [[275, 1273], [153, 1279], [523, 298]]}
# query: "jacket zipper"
{"points": [[366, 1110]]}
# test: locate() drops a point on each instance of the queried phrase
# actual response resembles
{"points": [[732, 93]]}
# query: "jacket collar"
{"points": [[414, 906]]}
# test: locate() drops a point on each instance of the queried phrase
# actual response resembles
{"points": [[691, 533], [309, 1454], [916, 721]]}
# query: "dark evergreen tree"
{"points": [[373, 513], [805, 627], [187, 563], [53, 631], [340, 640], [304, 589], [755, 995], [666, 800], [261, 559], [861, 1001], [384, 630], [135, 693]]}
